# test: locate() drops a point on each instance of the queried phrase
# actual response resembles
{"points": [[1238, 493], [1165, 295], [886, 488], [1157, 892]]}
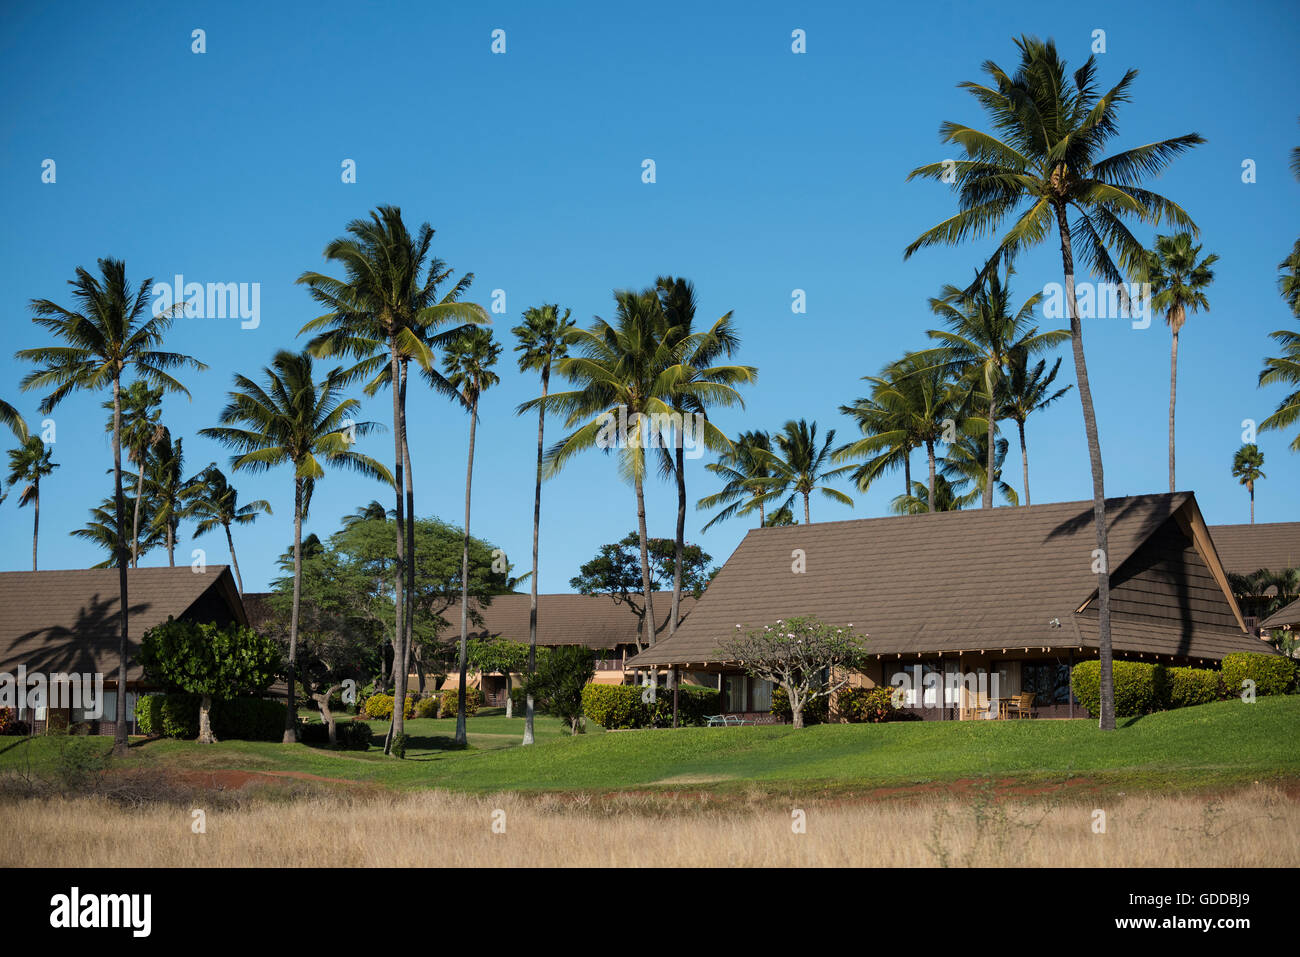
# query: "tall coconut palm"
{"points": [[382, 314], [622, 370], [1028, 390], [102, 528], [468, 363], [373, 512], [214, 502], [700, 384], [1288, 283], [800, 466], [540, 343], [142, 429], [1045, 154], [966, 462], [10, 418], [914, 403], [983, 332], [1248, 468], [747, 470], [108, 334], [1178, 282], [1284, 368], [31, 462], [169, 488], [946, 496], [293, 419]]}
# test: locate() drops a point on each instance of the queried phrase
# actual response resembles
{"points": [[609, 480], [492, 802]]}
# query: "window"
{"points": [[760, 694], [1048, 680]]}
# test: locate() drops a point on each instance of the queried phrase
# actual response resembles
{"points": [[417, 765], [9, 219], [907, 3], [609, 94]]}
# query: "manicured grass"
{"points": [[1218, 744]]}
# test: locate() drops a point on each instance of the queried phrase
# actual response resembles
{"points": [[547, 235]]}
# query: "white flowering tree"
{"points": [[807, 657]]}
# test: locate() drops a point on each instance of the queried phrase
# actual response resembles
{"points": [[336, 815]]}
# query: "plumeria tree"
{"points": [[804, 655]]}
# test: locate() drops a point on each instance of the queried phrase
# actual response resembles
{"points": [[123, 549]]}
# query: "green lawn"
{"points": [[1212, 745]]}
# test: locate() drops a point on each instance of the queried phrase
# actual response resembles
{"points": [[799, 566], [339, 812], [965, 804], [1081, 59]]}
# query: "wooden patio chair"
{"points": [[1022, 705], [973, 707]]}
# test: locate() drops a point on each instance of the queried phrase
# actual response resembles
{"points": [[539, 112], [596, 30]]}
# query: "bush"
{"points": [[10, 725], [351, 735], [449, 702], [379, 707], [1272, 674], [427, 707], [870, 705], [1185, 687], [242, 719], [814, 712], [621, 706]]}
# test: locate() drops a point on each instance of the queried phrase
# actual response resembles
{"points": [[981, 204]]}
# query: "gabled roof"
{"points": [[1248, 548], [979, 579], [1290, 615], [66, 621], [596, 621]]}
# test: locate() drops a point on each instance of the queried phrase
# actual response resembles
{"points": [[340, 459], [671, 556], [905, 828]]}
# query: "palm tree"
{"points": [[102, 530], [468, 365], [1045, 153], [215, 503], [700, 384], [112, 335], [1028, 390], [981, 337], [748, 472], [382, 314], [1288, 283], [291, 419], [800, 466], [374, 512], [1178, 285], [169, 488], [1247, 468], [31, 462], [541, 341], [915, 402], [622, 370], [1284, 368], [142, 429], [966, 462], [9, 417], [946, 496]]}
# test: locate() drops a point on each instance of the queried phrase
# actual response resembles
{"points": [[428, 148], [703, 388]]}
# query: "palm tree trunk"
{"points": [[1252, 518], [291, 712], [230, 544], [988, 465], [1173, 392], [399, 586], [529, 704], [135, 524], [1106, 720], [648, 622], [807, 517], [679, 543], [119, 505], [1024, 458], [929, 452], [406, 623], [461, 737], [907, 473], [171, 544], [35, 520]]}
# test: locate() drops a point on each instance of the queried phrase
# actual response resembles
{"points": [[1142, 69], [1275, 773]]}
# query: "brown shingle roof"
{"points": [[596, 621], [976, 579], [1248, 548], [66, 621], [1290, 615]]}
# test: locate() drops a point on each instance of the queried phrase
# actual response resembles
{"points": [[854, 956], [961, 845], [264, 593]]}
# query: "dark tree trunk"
{"points": [[1024, 458], [929, 452], [679, 543], [988, 465], [230, 544], [648, 621], [1173, 394], [291, 711], [461, 733], [36, 518], [529, 704], [1106, 720], [119, 500], [399, 584]]}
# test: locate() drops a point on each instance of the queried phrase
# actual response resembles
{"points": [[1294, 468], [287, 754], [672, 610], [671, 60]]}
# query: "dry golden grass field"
{"points": [[1254, 826]]}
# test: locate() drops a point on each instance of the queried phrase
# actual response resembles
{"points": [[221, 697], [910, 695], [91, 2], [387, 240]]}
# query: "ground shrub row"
{"points": [[1142, 688]]}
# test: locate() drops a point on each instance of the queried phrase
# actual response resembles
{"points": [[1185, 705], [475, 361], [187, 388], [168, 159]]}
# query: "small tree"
{"points": [[807, 657], [559, 680], [497, 656], [211, 660]]}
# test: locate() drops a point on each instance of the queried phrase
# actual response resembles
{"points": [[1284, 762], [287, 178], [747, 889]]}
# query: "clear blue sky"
{"points": [[775, 171]]}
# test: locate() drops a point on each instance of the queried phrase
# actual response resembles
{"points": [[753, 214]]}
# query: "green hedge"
{"points": [[427, 707], [815, 712], [1142, 688], [870, 705], [380, 707], [351, 735], [621, 706], [241, 719], [449, 702], [1272, 674]]}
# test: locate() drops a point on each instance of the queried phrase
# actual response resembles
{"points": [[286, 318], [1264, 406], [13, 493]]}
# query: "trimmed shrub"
{"points": [[351, 735], [814, 712], [621, 706], [449, 702], [427, 707], [1272, 674], [1185, 687], [1135, 687], [379, 707], [870, 705], [242, 719]]}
